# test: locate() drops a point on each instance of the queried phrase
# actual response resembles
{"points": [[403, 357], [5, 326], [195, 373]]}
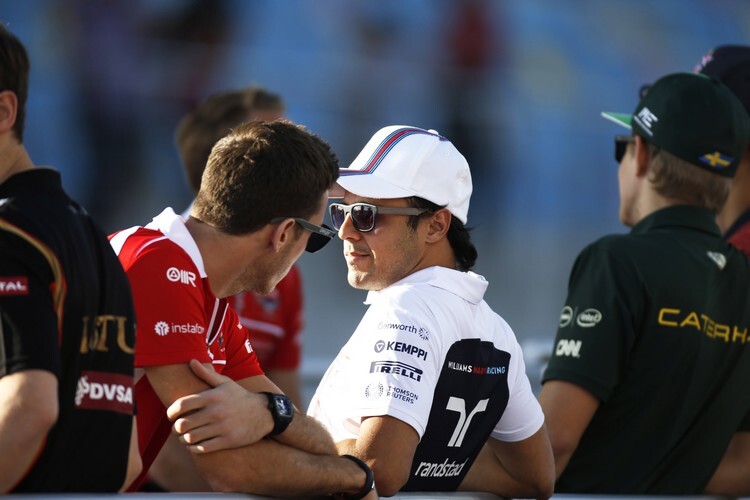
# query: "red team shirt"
{"points": [[178, 318]]}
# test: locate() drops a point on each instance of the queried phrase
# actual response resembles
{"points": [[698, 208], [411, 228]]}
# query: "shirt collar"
{"points": [[466, 285], [173, 227], [687, 216]]}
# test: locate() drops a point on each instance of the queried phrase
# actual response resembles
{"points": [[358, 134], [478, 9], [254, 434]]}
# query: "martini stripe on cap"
{"points": [[382, 150]]}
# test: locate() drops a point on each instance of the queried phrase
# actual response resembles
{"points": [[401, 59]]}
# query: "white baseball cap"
{"points": [[401, 161]]}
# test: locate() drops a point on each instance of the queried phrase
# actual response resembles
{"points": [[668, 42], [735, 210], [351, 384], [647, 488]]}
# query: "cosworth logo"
{"points": [[421, 332], [181, 276], [392, 345], [396, 368], [105, 391]]}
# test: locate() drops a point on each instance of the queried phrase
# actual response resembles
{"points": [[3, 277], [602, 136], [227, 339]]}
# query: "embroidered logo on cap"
{"points": [[646, 119]]}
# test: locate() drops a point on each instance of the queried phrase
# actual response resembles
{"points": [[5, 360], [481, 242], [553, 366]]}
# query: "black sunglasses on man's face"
{"points": [[621, 146], [320, 236]]}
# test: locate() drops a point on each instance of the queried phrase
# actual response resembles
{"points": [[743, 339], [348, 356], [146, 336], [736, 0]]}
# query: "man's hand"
{"points": [[226, 416]]}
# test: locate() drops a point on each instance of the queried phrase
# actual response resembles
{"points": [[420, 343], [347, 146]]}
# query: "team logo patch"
{"points": [[566, 316], [719, 258], [161, 328], [105, 391], [420, 331], [374, 390], [14, 285], [396, 368], [588, 318], [181, 276], [392, 345]]}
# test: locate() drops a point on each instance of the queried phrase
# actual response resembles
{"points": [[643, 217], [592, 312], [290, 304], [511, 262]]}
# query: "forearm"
{"points": [[307, 434], [271, 468], [28, 410], [19, 451], [488, 474], [514, 469], [732, 476]]}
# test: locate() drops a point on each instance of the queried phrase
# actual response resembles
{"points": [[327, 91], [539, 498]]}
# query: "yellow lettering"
{"points": [[85, 335], [663, 312], [722, 332], [736, 333], [121, 341], [691, 319], [708, 325], [101, 327]]}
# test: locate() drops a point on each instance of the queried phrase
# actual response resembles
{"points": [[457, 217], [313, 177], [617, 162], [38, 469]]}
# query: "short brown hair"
{"points": [[263, 170], [212, 119], [14, 75], [678, 179]]}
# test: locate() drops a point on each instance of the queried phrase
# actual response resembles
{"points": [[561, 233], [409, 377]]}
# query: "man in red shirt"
{"points": [[261, 201], [274, 321]]}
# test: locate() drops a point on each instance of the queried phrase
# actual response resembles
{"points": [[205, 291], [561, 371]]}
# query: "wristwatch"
{"points": [[282, 411]]}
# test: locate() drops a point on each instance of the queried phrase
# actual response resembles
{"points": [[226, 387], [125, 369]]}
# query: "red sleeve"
{"points": [[241, 359], [287, 354], [166, 309]]}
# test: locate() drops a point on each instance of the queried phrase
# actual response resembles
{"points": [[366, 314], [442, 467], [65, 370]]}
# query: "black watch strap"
{"points": [[369, 479], [282, 411]]}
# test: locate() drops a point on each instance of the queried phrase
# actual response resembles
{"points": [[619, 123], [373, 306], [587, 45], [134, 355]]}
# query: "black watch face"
{"points": [[284, 406]]}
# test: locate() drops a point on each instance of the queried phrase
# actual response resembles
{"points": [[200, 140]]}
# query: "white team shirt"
{"points": [[392, 364]]}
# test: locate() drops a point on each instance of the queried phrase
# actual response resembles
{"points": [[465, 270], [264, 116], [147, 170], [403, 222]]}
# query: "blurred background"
{"points": [[517, 85]]}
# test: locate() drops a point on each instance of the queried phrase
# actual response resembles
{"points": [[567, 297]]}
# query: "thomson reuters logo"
{"points": [[161, 328], [374, 390]]}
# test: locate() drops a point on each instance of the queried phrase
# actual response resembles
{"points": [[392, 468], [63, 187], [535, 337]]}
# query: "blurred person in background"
{"points": [[731, 65], [645, 387], [67, 324]]}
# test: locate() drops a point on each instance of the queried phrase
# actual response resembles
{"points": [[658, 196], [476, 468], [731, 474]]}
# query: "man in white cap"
{"points": [[431, 390]]}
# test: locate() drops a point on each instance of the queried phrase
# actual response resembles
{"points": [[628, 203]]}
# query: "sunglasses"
{"points": [[320, 236], [621, 145], [363, 214]]}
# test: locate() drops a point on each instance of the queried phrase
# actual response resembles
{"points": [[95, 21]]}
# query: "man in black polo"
{"points": [[648, 378], [67, 324]]}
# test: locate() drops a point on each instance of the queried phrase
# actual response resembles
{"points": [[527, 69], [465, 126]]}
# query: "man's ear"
{"points": [[642, 157], [8, 110], [438, 225], [283, 234]]}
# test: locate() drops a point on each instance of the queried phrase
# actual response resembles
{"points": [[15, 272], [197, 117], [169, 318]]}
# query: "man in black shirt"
{"points": [[66, 324]]}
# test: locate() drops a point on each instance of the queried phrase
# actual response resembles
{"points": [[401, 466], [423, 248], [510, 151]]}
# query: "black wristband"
{"points": [[369, 479]]}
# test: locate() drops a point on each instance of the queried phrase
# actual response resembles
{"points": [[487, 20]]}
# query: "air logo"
{"points": [[181, 276], [459, 405]]}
